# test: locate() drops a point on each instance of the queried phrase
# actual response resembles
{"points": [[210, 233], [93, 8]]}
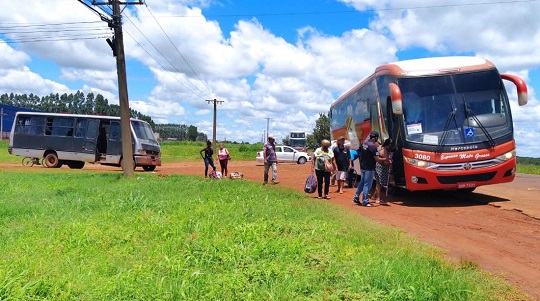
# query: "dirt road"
{"points": [[497, 227]]}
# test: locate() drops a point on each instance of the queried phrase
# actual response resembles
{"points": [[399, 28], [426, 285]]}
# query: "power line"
{"points": [[50, 40], [165, 69], [55, 30], [177, 50], [349, 11], [46, 24], [166, 58]]}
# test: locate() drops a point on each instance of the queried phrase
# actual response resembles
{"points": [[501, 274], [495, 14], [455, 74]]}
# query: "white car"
{"points": [[287, 154]]}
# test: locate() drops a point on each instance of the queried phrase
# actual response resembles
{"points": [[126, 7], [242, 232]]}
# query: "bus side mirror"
{"points": [[395, 94], [520, 86]]}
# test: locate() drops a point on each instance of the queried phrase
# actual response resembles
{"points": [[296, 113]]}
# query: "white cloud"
{"points": [[25, 82], [11, 58]]}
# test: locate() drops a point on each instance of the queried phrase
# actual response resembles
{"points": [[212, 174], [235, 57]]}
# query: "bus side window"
{"points": [[114, 131], [80, 131]]}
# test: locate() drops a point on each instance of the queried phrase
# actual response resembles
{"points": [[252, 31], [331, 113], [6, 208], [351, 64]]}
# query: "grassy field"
{"points": [[189, 151], [96, 236]]}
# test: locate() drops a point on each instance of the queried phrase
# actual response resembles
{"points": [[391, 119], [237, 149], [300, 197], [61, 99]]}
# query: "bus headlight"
{"points": [[509, 155], [140, 152], [418, 163]]}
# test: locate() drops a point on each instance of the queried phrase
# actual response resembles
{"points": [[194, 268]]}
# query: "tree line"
{"points": [[95, 104], [179, 132]]}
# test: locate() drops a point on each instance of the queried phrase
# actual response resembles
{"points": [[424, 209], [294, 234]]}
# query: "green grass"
{"points": [[533, 169], [173, 151], [97, 236]]}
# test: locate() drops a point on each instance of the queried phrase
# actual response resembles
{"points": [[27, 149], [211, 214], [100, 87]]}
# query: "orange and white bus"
{"points": [[449, 119]]}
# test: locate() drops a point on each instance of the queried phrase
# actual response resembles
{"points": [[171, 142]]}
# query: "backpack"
{"points": [[215, 175], [311, 184]]}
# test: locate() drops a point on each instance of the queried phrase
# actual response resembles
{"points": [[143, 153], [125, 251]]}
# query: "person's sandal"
{"points": [[327, 197]]}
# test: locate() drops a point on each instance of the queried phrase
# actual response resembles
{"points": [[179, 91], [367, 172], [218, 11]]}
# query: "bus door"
{"points": [[114, 142], [90, 139], [395, 128]]}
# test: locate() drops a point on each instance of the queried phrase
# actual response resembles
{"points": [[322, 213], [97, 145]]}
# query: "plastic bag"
{"points": [[216, 175], [311, 184], [328, 166]]}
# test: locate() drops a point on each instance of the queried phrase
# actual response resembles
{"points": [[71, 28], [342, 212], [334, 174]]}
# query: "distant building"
{"points": [[7, 115]]}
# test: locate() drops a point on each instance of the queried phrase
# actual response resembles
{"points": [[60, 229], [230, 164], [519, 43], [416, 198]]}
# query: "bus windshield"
{"points": [[297, 143], [455, 109], [143, 131]]}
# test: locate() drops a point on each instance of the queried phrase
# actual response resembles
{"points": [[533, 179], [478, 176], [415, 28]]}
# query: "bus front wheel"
{"points": [[51, 161], [149, 167]]}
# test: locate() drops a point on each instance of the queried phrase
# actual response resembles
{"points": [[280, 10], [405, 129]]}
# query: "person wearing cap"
{"points": [[368, 159], [270, 160], [342, 158]]}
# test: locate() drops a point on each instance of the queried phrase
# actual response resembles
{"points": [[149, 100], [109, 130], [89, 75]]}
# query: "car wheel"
{"points": [[302, 160]]}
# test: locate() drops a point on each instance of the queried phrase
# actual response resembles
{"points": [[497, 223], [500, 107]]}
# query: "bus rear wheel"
{"points": [[149, 167], [51, 161], [76, 164]]}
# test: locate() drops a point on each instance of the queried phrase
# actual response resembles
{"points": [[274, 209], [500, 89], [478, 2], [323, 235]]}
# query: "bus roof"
{"points": [[425, 67], [435, 66], [75, 115]]}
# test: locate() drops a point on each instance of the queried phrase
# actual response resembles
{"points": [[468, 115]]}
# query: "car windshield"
{"points": [[143, 130], [455, 109]]}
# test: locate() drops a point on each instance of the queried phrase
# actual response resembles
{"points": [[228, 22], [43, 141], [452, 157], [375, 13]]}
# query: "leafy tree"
{"points": [[285, 141], [101, 105], [320, 131], [202, 137], [90, 104], [192, 133]]}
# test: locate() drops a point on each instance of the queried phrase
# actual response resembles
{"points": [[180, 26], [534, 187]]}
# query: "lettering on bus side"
{"points": [[464, 156]]}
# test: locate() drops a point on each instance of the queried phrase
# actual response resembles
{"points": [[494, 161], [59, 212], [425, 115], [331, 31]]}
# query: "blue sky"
{"points": [[285, 60]]}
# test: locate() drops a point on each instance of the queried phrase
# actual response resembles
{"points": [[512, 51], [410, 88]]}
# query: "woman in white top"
{"points": [[223, 156]]}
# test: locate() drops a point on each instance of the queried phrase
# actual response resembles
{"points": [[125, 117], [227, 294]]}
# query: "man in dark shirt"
{"points": [[342, 159], [368, 158]]}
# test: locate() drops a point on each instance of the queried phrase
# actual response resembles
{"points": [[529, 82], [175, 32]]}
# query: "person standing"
{"points": [[270, 160], [223, 156], [382, 170], [323, 164], [342, 159], [368, 158], [208, 157]]}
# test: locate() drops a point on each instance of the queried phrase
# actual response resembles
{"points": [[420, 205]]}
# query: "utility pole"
{"points": [[267, 126], [215, 102], [117, 45]]}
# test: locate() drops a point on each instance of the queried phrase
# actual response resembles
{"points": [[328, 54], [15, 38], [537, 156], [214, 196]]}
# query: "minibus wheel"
{"points": [[149, 167], [51, 160], [76, 164]]}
